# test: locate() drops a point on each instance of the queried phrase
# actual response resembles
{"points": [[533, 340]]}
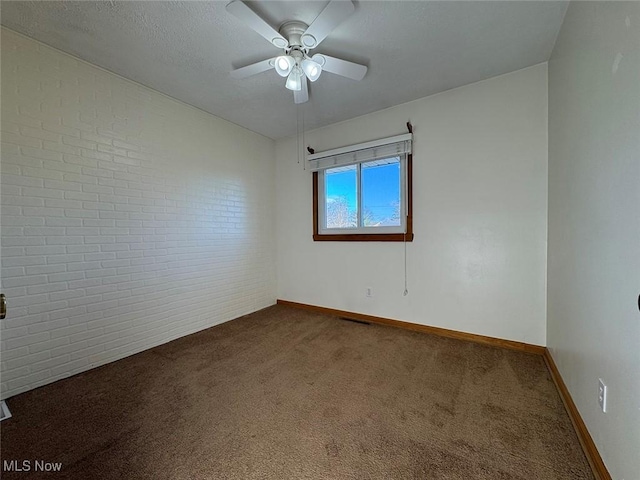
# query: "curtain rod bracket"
{"points": [[409, 127], [311, 150]]}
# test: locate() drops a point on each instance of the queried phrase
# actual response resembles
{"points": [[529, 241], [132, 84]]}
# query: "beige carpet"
{"points": [[288, 394]]}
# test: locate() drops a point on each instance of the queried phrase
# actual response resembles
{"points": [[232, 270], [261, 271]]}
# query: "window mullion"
{"points": [[322, 191], [359, 196], [404, 192]]}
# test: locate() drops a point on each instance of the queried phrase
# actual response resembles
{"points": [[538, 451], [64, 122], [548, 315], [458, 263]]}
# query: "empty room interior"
{"points": [[320, 240]]}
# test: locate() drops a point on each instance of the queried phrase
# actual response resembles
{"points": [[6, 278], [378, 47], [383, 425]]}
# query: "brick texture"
{"points": [[128, 218]]}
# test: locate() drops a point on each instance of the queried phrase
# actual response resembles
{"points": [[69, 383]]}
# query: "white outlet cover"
{"points": [[602, 395]]}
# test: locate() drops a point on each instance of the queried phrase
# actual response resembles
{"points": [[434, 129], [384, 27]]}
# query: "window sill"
{"points": [[364, 237]]}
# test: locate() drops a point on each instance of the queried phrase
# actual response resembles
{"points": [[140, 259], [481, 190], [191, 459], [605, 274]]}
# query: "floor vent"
{"points": [[354, 320], [4, 411]]}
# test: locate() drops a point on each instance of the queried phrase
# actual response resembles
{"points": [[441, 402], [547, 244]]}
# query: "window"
{"points": [[366, 200]]}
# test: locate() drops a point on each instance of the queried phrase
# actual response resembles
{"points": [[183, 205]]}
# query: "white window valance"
{"points": [[362, 152]]}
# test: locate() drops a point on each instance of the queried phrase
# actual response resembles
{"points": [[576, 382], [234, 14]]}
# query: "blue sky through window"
{"points": [[380, 195]]}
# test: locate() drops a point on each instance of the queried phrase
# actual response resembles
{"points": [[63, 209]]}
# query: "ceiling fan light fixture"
{"points": [[296, 39], [294, 80], [279, 42], [319, 59], [308, 40], [311, 69], [284, 65]]}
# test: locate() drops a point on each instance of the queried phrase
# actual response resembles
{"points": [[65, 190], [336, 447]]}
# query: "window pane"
{"points": [[381, 193], [341, 197]]}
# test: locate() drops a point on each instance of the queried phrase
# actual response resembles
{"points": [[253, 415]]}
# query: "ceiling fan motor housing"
{"points": [[293, 31]]}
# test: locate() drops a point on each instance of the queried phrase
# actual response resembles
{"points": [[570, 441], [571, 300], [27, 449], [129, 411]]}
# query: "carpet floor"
{"points": [[289, 394]]}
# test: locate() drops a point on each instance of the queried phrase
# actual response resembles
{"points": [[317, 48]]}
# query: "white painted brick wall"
{"points": [[128, 218]]}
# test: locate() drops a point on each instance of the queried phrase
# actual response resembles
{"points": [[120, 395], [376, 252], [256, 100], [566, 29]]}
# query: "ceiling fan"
{"points": [[296, 39]]}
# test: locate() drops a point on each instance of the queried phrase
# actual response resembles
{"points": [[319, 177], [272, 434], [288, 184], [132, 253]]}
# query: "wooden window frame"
{"points": [[367, 237]]}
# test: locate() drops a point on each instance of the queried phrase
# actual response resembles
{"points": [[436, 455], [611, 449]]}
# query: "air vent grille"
{"points": [[4, 411]]}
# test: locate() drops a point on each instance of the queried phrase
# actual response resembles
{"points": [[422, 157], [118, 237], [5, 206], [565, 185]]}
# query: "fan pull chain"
{"points": [[298, 133], [304, 163]]}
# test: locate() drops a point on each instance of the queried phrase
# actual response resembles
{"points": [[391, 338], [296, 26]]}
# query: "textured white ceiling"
{"points": [[187, 49]]}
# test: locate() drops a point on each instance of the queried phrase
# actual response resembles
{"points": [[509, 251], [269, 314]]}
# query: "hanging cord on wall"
{"points": [[406, 288], [406, 223]]}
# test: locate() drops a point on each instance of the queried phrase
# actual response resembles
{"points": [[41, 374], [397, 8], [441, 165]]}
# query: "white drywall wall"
{"points": [[593, 328], [128, 218], [478, 261]]}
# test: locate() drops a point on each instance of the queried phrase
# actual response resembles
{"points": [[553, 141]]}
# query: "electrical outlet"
{"points": [[602, 395], [368, 292]]}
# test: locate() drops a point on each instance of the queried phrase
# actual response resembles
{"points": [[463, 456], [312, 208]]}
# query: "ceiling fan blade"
{"points": [[351, 70], [329, 18], [302, 95], [253, 69], [239, 9]]}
